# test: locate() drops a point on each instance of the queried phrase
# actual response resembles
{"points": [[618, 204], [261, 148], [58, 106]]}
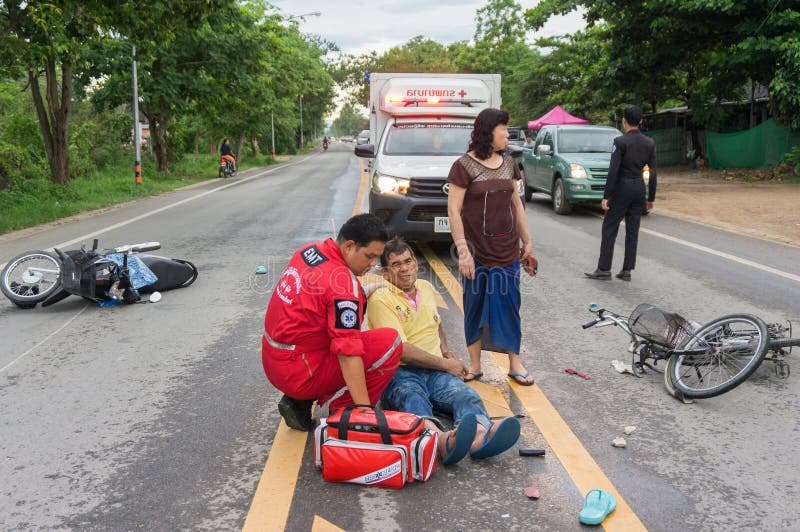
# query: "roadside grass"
{"points": [[35, 201]]}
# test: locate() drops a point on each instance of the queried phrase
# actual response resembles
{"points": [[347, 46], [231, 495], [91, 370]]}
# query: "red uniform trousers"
{"points": [[318, 375]]}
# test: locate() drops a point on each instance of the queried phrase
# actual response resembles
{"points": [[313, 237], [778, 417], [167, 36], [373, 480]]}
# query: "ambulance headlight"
{"points": [[386, 184]]}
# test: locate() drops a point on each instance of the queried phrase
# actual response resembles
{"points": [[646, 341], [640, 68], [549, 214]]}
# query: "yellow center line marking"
{"points": [[576, 460], [321, 525], [272, 500], [275, 491]]}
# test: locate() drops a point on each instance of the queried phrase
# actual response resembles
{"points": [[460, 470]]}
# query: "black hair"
{"points": [[633, 115], [395, 246], [363, 229], [481, 140]]}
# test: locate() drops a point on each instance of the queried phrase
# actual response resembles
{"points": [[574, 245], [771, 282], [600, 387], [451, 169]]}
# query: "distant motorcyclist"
{"points": [[226, 152], [325, 142]]}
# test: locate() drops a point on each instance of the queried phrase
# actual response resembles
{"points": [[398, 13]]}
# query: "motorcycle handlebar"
{"points": [[144, 246]]}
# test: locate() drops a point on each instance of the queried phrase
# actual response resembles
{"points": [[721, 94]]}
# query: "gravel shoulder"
{"points": [[767, 210]]}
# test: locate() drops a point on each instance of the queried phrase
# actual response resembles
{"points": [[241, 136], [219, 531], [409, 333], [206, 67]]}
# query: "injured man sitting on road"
{"points": [[430, 376]]}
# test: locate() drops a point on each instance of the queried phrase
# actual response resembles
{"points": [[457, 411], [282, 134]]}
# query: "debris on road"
{"points": [[630, 429], [578, 373], [532, 492], [619, 442], [531, 452], [622, 367]]}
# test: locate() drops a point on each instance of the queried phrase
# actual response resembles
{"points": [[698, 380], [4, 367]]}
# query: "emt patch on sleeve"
{"points": [[313, 257], [347, 315]]}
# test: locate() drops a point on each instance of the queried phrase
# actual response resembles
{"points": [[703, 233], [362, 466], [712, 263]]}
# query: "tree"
{"points": [[349, 122], [48, 38], [700, 52]]}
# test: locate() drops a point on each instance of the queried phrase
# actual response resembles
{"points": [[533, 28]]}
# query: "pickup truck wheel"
{"points": [[528, 193], [560, 203]]}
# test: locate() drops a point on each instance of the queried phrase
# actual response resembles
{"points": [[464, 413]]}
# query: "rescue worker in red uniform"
{"points": [[313, 347]]}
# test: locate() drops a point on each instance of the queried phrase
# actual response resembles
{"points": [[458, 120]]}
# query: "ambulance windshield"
{"points": [[427, 139]]}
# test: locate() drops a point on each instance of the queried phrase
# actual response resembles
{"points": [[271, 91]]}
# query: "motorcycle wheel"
{"points": [[30, 278]]}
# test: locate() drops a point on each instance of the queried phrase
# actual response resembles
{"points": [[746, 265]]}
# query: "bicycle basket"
{"points": [[659, 326]]}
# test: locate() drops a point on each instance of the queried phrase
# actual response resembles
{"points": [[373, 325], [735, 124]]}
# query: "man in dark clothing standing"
{"points": [[627, 195]]}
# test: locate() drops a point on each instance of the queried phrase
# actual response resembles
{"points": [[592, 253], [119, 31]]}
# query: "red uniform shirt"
{"points": [[318, 303]]}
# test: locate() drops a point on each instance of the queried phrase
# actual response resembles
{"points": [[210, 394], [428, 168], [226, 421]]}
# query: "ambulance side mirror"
{"points": [[365, 150]]}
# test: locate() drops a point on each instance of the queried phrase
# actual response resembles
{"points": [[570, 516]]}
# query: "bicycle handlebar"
{"points": [[590, 324]]}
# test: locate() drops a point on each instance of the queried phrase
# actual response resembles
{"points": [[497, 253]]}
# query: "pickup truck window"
{"points": [[587, 141], [427, 139], [548, 139]]}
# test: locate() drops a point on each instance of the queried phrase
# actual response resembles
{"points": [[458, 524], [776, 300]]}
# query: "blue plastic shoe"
{"points": [[502, 439], [465, 435], [596, 506]]}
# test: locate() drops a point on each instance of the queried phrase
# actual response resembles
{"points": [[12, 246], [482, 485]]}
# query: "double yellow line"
{"points": [[275, 491]]}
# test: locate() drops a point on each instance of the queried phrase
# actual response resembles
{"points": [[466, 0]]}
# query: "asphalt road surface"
{"points": [[157, 416]]}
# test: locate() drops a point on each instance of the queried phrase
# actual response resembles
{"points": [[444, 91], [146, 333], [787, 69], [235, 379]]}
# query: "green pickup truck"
{"points": [[570, 163]]}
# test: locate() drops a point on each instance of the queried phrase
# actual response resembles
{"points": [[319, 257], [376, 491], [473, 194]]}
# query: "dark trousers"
{"points": [[629, 203]]}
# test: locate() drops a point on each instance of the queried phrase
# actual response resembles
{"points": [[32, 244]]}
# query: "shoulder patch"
{"points": [[313, 257], [347, 314]]}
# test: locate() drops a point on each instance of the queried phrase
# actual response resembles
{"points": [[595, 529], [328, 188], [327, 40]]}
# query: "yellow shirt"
{"points": [[388, 307]]}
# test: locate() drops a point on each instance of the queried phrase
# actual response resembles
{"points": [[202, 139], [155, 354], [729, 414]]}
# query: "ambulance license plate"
{"points": [[441, 224]]}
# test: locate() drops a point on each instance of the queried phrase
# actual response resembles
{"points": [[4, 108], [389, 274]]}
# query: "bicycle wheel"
{"points": [[30, 278], [734, 347]]}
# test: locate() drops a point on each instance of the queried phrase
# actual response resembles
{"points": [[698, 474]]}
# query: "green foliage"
{"points": [[699, 52], [349, 122]]}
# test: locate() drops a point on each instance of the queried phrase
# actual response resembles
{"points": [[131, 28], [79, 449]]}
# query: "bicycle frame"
{"points": [[639, 346]]}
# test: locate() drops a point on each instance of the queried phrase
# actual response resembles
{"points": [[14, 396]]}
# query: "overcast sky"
{"points": [[359, 26]]}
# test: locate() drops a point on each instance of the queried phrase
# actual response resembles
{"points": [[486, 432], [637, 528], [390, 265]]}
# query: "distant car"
{"points": [[363, 137], [346, 138], [516, 136]]}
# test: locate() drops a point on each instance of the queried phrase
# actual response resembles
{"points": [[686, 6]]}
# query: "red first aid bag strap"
{"points": [[380, 418]]}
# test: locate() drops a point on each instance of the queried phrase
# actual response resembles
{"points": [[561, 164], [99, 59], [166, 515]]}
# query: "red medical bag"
{"points": [[366, 445]]}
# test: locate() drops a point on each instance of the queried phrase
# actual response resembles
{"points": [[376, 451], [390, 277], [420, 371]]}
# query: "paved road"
{"points": [[158, 417]]}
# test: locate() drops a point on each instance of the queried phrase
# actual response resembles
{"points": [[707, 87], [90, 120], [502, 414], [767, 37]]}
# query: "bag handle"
{"points": [[383, 425]]}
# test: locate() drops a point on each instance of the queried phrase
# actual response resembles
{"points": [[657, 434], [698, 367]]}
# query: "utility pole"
{"points": [[301, 122], [272, 129], [137, 134]]}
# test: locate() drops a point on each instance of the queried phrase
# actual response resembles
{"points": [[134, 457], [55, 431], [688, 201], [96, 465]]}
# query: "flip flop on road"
{"points": [[465, 435], [596, 506], [521, 378], [502, 439], [473, 376]]}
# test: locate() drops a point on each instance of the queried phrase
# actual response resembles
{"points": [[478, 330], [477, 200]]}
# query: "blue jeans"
{"points": [[420, 391]]}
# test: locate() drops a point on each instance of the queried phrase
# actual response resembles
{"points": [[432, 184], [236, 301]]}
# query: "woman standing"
{"points": [[487, 220]]}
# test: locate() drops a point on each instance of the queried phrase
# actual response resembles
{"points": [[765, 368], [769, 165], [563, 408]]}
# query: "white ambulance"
{"points": [[419, 125]]}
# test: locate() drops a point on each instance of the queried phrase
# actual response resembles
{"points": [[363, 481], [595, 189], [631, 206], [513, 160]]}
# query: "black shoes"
{"points": [[296, 413], [599, 274], [625, 275]]}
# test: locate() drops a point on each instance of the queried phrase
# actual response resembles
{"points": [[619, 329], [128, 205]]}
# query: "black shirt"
{"points": [[631, 152]]}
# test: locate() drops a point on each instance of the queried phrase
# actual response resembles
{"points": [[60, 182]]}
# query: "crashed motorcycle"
{"points": [[106, 277]]}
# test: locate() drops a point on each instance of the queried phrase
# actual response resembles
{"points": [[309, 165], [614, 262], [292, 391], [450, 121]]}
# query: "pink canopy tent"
{"points": [[556, 115]]}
